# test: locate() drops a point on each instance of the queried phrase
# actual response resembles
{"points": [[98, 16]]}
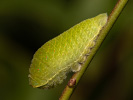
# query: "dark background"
{"points": [[25, 25]]}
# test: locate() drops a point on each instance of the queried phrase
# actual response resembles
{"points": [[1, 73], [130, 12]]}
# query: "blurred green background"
{"points": [[25, 25]]}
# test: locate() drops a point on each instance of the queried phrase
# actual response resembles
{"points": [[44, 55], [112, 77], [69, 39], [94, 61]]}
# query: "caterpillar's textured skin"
{"points": [[65, 53]]}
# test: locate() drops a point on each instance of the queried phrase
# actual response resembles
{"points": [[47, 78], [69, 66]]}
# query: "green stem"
{"points": [[111, 20]]}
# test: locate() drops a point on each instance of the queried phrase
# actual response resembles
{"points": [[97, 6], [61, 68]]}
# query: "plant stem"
{"points": [[111, 20]]}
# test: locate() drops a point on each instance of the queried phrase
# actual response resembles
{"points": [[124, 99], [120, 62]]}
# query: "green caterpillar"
{"points": [[64, 53]]}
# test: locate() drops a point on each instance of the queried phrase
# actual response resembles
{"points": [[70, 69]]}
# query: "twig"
{"points": [[77, 76]]}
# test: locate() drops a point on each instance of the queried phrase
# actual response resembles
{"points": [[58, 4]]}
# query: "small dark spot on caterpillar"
{"points": [[91, 48], [82, 60], [72, 82], [87, 54], [80, 63]]}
